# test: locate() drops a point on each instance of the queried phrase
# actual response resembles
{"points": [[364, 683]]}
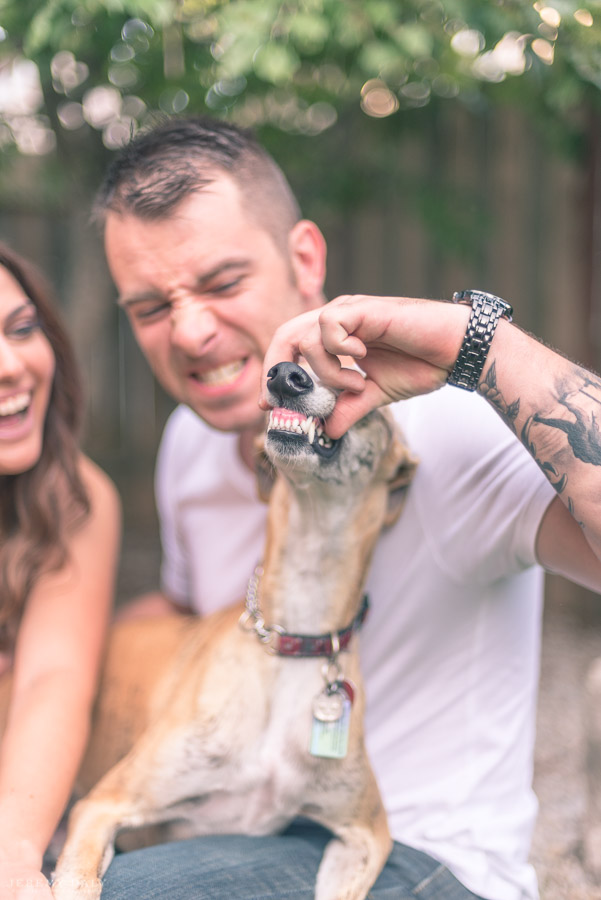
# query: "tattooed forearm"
{"points": [[574, 410], [489, 389], [553, 406], [582, 432], [557, 479]]}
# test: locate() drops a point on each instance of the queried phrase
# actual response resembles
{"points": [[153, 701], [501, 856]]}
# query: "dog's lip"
{"points": [[297, 426]]}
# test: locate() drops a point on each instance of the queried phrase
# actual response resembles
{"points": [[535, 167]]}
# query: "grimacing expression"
{"points": [[204, 290], [27, 366]]}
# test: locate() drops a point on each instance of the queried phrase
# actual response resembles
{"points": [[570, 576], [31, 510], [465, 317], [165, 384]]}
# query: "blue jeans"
{"points": [[282, 867]]}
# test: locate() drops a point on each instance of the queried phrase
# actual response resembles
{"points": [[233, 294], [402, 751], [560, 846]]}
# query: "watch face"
{"points": [[471, 296]]}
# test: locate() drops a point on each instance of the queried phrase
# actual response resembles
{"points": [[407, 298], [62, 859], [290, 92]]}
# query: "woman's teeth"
{"points": [[13, 405], [222, 374]]}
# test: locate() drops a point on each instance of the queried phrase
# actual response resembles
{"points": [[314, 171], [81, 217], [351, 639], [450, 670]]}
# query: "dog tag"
{"points": [[330, 739], [348, 687], [329, 705]]}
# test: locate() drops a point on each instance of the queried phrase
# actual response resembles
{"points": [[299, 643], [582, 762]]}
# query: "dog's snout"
{"points": [[287, 380]]}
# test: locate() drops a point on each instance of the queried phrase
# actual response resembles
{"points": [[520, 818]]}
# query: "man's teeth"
{"points": [[309, 426], [13, 405], [223, 374]]}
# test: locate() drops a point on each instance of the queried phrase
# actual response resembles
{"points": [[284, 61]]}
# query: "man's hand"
{"points": [[405, 347]]}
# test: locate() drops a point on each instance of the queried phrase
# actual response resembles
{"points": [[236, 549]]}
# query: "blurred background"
{"points": [[439, 144]]}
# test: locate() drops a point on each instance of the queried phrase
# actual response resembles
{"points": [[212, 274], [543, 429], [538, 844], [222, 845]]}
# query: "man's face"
{"points": [[204, 290]]}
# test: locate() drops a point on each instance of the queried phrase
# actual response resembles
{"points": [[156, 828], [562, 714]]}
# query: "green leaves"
{"points": [[296, 66], [276, 63]]}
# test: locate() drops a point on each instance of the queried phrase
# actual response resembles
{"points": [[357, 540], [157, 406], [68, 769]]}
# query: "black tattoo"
{"points": [[572, 512], [558, 481], [584, 436], [489, 389], [582, 431]]}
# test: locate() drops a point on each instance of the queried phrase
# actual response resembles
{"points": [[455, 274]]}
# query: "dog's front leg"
{"points": [[357, 853], [89, 848], [135, 792], [351, 863]]}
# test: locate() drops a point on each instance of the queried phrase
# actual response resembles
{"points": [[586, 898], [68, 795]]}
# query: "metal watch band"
{"points": [[487, 309]]}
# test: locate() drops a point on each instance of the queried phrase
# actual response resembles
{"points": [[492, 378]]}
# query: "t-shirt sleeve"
{"points": [[480, 495], [175, 578]]}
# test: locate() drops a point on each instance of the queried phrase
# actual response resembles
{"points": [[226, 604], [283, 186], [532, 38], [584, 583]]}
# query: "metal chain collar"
{"points": [[277, 640]]}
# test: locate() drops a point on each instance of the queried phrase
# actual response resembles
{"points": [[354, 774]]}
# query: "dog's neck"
{"points": [[319, 544]]}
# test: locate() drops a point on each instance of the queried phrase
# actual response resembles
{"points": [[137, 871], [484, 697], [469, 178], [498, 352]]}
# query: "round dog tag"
{"points": [[328, 707]]}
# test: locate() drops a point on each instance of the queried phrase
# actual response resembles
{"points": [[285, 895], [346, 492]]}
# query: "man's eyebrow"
{"points": [[222, 269], [142, 297], [201, 282]]}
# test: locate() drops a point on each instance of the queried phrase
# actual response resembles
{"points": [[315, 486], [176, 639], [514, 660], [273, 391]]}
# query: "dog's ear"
{"points": [[399, 481], [265, 472]]}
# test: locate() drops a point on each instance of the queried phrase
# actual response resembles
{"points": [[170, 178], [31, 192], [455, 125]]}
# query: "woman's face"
{"points": [[26, 373]]}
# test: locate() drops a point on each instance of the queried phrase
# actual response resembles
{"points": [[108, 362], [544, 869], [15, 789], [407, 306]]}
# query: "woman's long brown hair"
{"points": [[39, 507]]}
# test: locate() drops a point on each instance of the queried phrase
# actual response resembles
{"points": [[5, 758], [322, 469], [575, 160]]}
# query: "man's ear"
{"points": [[307, 249]]}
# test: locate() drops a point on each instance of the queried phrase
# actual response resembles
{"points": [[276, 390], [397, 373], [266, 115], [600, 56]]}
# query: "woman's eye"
{"points": [[23, 329]]}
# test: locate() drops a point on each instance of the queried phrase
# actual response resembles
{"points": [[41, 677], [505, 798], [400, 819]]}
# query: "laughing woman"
{"points": [[59, 536]]}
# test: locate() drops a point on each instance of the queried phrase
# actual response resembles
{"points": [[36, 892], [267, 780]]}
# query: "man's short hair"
{"points": [[163, 165]]}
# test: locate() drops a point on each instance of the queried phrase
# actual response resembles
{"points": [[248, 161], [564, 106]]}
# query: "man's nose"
{"points": [[194, 327], [11, 364]]}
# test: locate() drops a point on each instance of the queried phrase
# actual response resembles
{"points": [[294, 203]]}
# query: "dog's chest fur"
{"points": [[252, 750]]}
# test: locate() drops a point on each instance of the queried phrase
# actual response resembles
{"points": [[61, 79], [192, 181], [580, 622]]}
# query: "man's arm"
{"points": [[407, 347], [554, 406]]}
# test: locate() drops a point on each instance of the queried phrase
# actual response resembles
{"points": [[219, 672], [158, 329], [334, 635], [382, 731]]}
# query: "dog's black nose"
{"points": [[287, 380]]}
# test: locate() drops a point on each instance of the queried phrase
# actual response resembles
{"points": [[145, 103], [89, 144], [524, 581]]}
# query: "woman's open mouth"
{"points": [[15, 418], [15, 408]]}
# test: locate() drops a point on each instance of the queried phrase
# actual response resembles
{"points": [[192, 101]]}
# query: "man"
{"points": [[212, 260]]}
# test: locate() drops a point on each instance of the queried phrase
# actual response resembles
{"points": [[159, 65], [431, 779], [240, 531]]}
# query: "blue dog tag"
{"points": [[330, 739]]}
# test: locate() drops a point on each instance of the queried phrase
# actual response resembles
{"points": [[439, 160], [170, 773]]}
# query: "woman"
{"points": [[59, 536]]}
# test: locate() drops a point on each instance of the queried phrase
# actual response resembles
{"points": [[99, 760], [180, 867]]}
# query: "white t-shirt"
{"points": [[450, 648]]}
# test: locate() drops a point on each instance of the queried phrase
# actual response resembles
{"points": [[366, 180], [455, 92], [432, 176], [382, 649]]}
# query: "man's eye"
{"points": [[148, 313], [226, 287]]}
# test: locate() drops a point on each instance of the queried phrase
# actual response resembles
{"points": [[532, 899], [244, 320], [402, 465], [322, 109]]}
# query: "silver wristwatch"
{"points": [[487, 309]]}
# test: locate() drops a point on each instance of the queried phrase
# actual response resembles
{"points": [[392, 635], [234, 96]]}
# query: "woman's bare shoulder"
{"points": [[100, 488]]}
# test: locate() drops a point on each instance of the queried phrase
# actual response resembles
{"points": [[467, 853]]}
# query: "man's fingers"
{"points": [[350, 407], [337, 326], [303, 337], [284, 346]]}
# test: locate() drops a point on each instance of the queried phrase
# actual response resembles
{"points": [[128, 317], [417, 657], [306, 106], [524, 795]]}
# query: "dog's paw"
{"points": [[69, 887]]}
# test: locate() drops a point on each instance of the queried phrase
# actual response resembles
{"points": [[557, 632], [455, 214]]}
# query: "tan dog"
{"points": [[242, 729]]}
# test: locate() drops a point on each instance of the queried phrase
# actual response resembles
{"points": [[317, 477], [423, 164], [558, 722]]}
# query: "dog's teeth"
{"points": [[276, 421], [321, 442], [311, 431], [295, 422]]}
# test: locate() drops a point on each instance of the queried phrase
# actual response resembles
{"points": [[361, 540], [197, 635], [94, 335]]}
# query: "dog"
{"points": [[253, 716]]}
